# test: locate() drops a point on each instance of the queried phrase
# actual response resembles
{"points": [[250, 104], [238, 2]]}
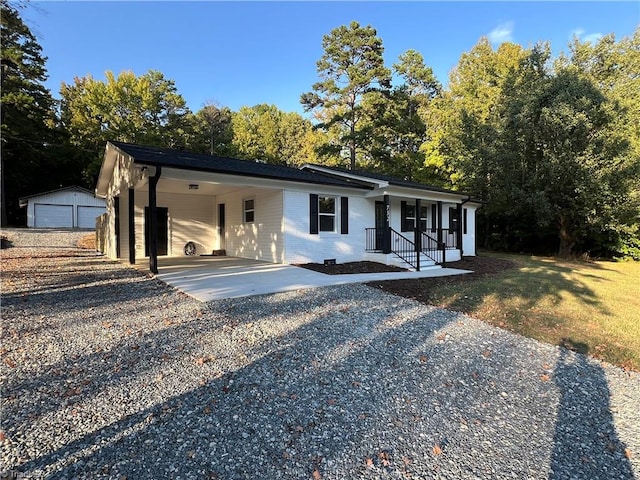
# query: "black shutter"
{"points": [[344, 215], [464, 221], [434, 214], [403, 216], [313, 214]]}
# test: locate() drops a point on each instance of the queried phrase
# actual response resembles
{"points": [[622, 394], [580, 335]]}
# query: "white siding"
{"points": [[303, 247], [262, 239], [73, 198], [191, 219], [469, 239]]}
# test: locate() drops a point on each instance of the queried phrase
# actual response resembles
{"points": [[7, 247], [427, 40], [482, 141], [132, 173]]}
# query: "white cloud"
{"points": [[502, 33], [586, 37]]}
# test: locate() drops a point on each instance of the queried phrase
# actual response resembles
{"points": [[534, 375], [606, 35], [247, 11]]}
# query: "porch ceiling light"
{"points": [[194, 186]]}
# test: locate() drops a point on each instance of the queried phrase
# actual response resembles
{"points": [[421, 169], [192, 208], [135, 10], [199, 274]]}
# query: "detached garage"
{"points": [[70, 207]]}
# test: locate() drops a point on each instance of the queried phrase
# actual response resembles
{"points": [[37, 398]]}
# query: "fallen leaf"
{"points": [[316, 475], [627, 452], [206, 410], [384, 458], [201, 361], [436, 449], [423, 358], [299, 429], [486, 353], [3, 437], [10, 363], [356, 384], [369, 463], [544, 377]]}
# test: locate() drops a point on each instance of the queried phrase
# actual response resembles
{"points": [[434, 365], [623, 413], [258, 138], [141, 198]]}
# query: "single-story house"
{"points": [[168, 202], [70, 207]]}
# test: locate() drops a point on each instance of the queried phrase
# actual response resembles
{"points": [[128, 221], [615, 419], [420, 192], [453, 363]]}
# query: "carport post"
{"points": [[132, 227], [153, 222]]}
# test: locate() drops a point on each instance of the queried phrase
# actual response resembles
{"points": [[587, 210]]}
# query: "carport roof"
{"points": [[165, 157]]}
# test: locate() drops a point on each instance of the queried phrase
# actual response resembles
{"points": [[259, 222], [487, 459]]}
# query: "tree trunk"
{"points": [[567, 241]]}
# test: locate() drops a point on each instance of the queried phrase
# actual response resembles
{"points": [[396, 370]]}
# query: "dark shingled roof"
{"points": [[392, 180], [165, 157]]}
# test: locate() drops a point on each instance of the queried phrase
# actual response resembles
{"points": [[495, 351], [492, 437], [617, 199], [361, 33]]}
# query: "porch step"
{"points": [[394, 260]]}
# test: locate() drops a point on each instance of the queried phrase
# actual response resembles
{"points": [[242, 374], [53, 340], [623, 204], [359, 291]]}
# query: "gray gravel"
{"points": [[108, 373]]}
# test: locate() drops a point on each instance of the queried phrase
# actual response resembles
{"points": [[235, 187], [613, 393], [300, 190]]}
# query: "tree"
{"points": [[263, 132], [146, 109], [27, 116], [351, 67], [212, 130], [398, 130]]}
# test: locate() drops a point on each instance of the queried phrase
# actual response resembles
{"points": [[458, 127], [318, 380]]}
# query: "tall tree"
{"points": [[27, 115], [350, 68], [398, 130], [212, 130], [147, 109]]}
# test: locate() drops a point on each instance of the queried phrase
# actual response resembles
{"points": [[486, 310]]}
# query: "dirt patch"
{"points": [[351, 267], [420, 288], [88, 242]]}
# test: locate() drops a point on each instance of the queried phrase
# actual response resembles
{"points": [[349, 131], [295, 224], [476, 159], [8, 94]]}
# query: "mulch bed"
{"points": [[420, 289], [351, 267]]}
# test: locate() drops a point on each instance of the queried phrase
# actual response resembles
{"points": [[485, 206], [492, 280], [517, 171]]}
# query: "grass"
{"points": [[593, 308]]}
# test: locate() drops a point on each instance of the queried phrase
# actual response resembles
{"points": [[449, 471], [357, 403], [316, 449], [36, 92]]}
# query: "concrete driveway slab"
{"points": [[216, 278]]}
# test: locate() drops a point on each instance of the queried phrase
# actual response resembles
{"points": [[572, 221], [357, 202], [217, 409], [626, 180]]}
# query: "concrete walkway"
{"points": [[215, 278]]}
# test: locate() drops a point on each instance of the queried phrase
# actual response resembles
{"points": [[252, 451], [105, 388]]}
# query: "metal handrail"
{"points": [[371, 240], [405, 249], [432, 248]]}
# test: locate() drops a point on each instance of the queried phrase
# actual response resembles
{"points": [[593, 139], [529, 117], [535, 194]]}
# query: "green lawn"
{"points": [[593, 308]]}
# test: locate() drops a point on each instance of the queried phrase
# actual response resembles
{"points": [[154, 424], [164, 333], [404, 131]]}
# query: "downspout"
{"points": [[153, 221]]}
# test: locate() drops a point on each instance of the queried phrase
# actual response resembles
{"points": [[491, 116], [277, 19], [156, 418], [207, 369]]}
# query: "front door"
{"points": [[381, 221], [221, 227], [163, 230]]}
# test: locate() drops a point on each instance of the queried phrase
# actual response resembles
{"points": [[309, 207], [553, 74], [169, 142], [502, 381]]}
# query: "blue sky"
{"points": [[245, 53]]}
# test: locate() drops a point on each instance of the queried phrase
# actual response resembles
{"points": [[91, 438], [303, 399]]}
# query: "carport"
{"points": [[217, 278]]}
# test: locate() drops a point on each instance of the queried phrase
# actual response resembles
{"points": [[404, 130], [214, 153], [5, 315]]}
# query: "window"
{"points": [[248, 210], [409, 218], [327, 214]]}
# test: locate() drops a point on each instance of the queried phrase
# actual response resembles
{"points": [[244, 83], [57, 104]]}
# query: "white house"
{"points": [[70, 207], [166, 202]]}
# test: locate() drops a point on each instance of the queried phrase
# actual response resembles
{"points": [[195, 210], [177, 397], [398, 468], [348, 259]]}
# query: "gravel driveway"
{"points": [[108, 373]]}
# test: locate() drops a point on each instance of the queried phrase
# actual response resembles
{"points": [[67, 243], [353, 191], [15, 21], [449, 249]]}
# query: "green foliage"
{"points": [[264, 132], [29, 139], [212, 131], [351, 68], [146, 110], [547, 146]]}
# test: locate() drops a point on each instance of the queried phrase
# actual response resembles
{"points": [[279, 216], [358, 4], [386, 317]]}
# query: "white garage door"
{"points": [[53, 216], [87, 216]]}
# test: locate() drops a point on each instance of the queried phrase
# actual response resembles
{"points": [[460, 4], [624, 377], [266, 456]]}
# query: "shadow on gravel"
{"points": [[585, 443], [359, 390]]}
